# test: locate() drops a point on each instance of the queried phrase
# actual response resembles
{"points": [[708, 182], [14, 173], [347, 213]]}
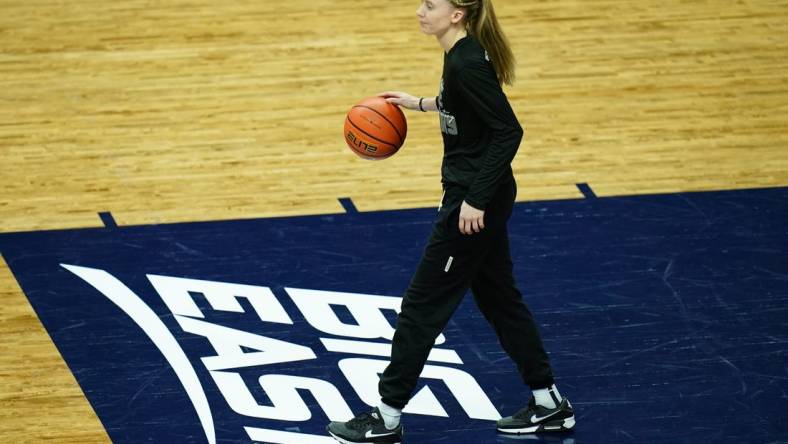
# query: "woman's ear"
{"points": [[457, 16]]}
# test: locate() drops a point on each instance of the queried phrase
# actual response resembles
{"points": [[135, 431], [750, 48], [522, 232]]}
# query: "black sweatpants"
{"points": [[453, 262]]}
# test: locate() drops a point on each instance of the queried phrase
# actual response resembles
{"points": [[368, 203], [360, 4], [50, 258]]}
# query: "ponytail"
{"points": [[482, 24]]}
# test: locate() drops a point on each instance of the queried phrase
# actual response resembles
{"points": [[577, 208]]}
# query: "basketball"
{"points": [[375, 129]]}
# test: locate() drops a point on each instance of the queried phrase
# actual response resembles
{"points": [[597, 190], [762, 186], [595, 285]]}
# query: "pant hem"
{"points": [[395, 404], [542, 384]]}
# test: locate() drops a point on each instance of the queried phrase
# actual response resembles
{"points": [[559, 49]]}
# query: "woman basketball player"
{"points": [[469, 244]]}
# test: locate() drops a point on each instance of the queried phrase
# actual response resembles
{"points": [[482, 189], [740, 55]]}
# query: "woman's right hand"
{"points": [[402, 99]]}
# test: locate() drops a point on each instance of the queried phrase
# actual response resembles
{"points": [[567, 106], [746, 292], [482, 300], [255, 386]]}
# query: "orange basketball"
{"points": [[375, 129]]}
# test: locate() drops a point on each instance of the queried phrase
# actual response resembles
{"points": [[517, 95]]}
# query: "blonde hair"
{"points": [[483, 26]]}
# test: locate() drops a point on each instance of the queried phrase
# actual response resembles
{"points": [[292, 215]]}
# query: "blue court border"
{"points": [[665, 315]]}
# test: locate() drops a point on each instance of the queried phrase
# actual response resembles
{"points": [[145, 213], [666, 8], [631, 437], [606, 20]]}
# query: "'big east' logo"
{"points": [[362, 353]]}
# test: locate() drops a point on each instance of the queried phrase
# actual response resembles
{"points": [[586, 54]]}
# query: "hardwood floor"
{"points": [[198, 110]]}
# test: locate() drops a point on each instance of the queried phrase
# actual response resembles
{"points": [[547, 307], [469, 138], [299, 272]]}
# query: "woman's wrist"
{"points": [[425, 104]]}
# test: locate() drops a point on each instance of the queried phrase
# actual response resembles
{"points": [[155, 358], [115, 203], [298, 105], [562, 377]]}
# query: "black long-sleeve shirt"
{"points": [[481, 134]]}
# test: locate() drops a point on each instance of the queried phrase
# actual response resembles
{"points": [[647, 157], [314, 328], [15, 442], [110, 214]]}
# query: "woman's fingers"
{"points": [[470, 225], [471, 220], [387, 94], [400, 98], [391, 97]]}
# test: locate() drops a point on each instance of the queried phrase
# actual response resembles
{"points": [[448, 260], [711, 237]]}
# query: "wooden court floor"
{"points": [[181, 111]]}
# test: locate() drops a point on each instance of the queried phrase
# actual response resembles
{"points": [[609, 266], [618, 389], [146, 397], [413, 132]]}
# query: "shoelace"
{"points": [[361, 421], [528, 411]]}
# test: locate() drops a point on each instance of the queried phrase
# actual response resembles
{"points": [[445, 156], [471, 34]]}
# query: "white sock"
{"points": [[544, 398], [390, 415]]}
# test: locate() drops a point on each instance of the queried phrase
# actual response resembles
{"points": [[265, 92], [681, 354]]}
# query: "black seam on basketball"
{"points": [[368, 156], [370, 135], [401, 139]]}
